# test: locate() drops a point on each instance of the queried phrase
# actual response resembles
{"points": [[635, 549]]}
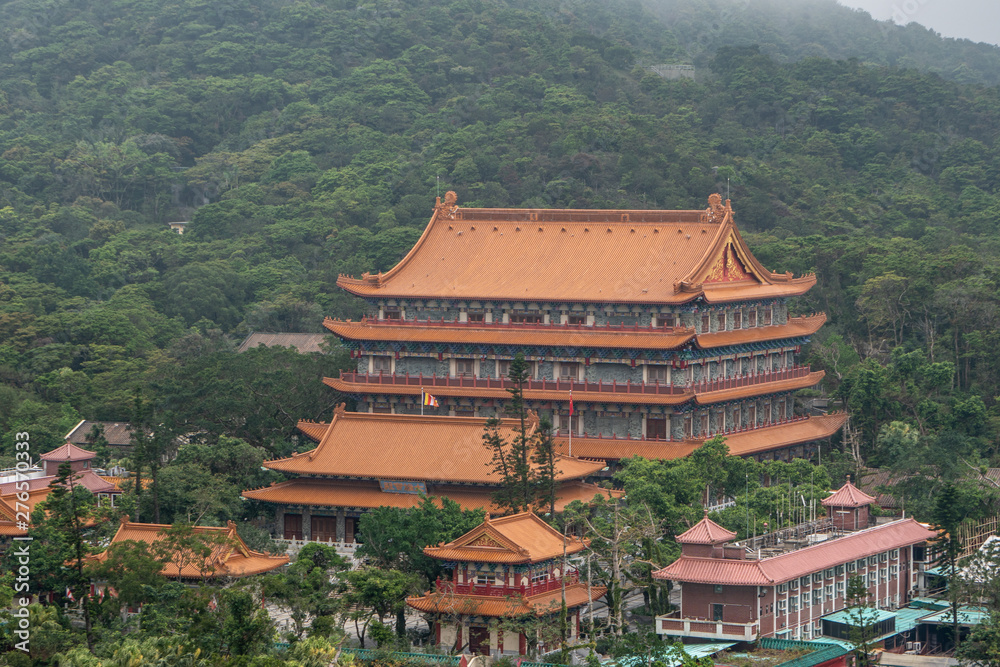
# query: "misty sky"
{"points": [[978, 20]]}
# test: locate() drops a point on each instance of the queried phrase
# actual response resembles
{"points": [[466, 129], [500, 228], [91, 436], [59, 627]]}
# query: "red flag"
{"points": [[570, 402], [69, 594]]}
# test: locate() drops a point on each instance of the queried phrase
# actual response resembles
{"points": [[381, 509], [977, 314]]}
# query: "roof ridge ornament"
{"points": [[449, 205], [716, 211]]}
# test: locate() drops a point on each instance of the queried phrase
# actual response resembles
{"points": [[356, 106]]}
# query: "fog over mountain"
{"points": [[978, 20]]}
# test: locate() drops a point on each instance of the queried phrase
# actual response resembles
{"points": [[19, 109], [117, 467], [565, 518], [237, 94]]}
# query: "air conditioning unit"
{"points": [[916, 646], [909, 646]]}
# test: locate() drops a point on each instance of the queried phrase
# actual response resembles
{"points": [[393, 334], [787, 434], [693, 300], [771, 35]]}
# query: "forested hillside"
{"points": [[303, 140]]}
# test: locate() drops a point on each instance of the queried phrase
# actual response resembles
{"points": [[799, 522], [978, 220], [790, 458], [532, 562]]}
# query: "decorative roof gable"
{"points": [[518, 538], [705, 531], [848, 496], [575, 255], [68, 452]]}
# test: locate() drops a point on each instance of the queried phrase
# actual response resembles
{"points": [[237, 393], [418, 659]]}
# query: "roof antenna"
{"points": [[438, 193], [727, 187]]}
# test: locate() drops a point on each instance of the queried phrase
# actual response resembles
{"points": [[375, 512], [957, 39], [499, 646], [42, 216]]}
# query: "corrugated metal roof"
{"points": [[413, 447], [794, 564], [116, 433], [305, 343], [610, 256]]}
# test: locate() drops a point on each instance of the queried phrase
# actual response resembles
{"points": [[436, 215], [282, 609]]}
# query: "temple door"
{"points": [[293, 527], [479, 640], [656, 429], [324, 528], [349, 529]]}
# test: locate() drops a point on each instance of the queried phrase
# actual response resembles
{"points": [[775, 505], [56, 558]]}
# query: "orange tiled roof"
{"points": [[722, 395], [230, 555], [68, 452], [519, 538], [640, 338], [349, 387], [313, 430], [795, 328], [647, 338], [486, 605], [848, 496], [743, 443], [412, 447], [366, 495], [599, 256], [793, 564], [705, 531]]}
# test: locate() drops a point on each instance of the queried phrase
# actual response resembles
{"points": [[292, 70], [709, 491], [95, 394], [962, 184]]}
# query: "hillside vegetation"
{"points": [[307, 139]]}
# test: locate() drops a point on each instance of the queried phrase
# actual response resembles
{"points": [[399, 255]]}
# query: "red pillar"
{"points": [[522, 644], [437, 632], [458, 639]]}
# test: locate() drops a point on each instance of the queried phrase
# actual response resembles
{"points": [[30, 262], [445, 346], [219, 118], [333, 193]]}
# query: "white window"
{"points": [[781, 606], [658, 374], [793, 584], [382, 365], [893, 571], [840, 589], [872, 561], [569, 370], [894, 554], [883, 557], [829, 592], [793, 604], [829, 573], [818, 578], [852, 566], [782, 588], [486, 580], [839, 570], [465, 368]]}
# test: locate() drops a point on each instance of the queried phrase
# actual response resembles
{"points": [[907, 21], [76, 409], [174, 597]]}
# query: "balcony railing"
{"points": [[675, 625], [502, 591], [641, 328], [612, 387], [470, 382]]}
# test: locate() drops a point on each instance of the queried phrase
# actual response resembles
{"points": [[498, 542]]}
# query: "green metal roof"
{"points": [[820, 652], [847, 617], [966, 616]]}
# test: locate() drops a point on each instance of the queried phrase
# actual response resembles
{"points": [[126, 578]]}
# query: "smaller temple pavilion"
{"points": [[506, 568], [230, 557], [848, 507], [368, 460]]}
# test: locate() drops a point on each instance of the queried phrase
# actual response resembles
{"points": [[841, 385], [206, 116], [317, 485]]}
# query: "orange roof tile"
{"points": [[518, 538], [313, 430], [719, 396], [412, 447], [485, 605], [366, 495], [349, 387], [230, 556], [795, 328], [642, 338], [848, 496], [705, 531], [68, 452], [798, 563], [579, 255], [743, 443]]}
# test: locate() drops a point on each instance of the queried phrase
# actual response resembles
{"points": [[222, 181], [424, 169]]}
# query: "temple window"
{"points": [[738, 319], [486, 580], [706, 324], [656, 429], [465, 368], [381, 364], [569, 370], [722, 321], [526, 318], [474, 317], [688, 427], [392, 313], [767, 316], [577, 320], [658, 374], [752, 317], [666, 320]]}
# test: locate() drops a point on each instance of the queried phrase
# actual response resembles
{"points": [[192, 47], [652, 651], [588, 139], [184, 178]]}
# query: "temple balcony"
{"points": [[504, 591], [701, 628], [545, 326], [601, 387]]}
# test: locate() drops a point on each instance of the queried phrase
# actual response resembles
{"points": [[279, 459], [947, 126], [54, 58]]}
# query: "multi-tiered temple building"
{"points": [[662, 324]]}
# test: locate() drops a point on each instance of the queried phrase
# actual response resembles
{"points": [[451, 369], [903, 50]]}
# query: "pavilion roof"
{"points": [[488, 605], [848, 496], [519, 538], [705, 531], [597, 256], [413, 447], [564, 335], [360, 494], [68, 452], [742, 443], [801, 562], [229, 557]]}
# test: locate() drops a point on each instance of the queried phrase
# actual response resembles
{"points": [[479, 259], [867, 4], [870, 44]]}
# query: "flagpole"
{"points": [[571, 423], [421, 402]]}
